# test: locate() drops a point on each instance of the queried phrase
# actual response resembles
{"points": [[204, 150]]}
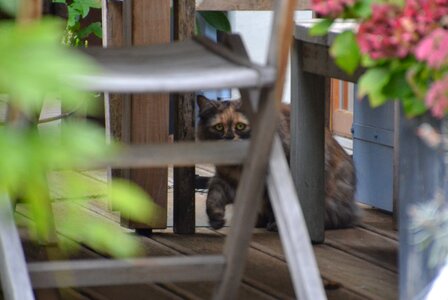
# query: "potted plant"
{"points": [[402, 45]]}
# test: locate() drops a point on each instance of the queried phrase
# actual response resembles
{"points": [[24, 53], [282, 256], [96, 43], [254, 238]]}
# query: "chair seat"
{"points": [[189, 65]]}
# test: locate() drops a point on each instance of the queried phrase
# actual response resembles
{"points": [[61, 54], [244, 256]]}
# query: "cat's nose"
{"points": [[229, 137]]}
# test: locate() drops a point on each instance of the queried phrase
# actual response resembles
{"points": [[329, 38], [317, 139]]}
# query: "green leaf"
{"points": [[321, 28], [346, 52], [9, 6], [94, 28], [131, 201], [397, 87], [363, 8], [29, 76], [97, 233], [413, 106], [371, 84], [73, 16], [217, 20], [84, 6], [59, 1]]}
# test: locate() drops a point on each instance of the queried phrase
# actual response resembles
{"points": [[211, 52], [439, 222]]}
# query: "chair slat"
{"points": [[14, 275], [178, 67], [178, 154], [133, 271], [291, 224]]}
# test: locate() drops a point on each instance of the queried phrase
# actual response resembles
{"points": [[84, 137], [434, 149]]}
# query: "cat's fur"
{"points": [[225, 120]]}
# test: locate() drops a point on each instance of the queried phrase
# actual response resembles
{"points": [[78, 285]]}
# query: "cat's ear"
{"points": [[237, 104], [204, 103]]}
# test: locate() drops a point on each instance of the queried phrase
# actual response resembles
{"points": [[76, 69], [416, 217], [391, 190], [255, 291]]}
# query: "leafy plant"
{"points": [[402, 44], [75, 34], [216, 19], [35, 67]]}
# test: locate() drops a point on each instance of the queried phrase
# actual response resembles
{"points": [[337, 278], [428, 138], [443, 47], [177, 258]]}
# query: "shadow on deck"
{"points": [[361, 261]]}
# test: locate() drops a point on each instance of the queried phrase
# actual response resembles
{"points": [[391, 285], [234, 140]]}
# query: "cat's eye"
{"points": [[240, 126], [219, 127]]}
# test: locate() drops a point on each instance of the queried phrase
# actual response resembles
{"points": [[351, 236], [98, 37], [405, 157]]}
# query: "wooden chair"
{"points": [[191, 65]]}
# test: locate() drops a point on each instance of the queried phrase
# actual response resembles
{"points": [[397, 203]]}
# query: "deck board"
{"points": [[361, 260]]}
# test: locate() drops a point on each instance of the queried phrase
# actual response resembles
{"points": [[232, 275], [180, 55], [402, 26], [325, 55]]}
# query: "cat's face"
{"points": [[221, 120]]}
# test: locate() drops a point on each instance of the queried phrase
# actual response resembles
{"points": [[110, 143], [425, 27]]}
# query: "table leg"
{"points": [[307, 142]]}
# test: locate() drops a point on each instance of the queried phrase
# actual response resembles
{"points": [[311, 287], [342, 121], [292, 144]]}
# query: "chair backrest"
{"points": [[280, 41]]}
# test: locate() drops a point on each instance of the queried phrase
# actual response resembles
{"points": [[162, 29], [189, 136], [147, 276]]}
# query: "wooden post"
{"points": [[184, 119], [143, 119], [308, 93]]}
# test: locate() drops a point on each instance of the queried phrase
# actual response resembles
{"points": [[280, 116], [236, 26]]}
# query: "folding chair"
{"points": [[191, 65]]}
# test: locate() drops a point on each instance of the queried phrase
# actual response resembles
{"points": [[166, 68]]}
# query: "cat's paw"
{"points": [[217, 224], [272, 226]]}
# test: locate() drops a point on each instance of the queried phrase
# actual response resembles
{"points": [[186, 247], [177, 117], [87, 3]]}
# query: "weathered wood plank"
{"points": [[155, 248], [149, 113], [307, 142], [14, 275], [116, 106], [292, 228], [115, 272], [179, 67], [378, 222], [178, 154], [248, 195], [357, 275], [317, 60], [136, 292], [360, 277], [366, 245], [263, 272], [244, 5], [184, 121]]}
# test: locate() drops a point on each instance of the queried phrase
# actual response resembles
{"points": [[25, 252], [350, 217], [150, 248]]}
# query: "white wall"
{"points": [[254, 27]]}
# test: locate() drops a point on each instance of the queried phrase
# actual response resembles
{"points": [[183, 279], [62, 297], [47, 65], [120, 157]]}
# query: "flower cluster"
{"points": [[393, 31], [331, 8], [408, 41]]}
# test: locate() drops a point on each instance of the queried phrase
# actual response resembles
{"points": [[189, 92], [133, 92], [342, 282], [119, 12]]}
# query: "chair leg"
{"points": [[292, 227], [14, 274], [248, 196]]}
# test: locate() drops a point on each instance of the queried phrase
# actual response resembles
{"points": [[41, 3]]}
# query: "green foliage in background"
{"points": [[35, 67], [216, 19], [75, 34]]}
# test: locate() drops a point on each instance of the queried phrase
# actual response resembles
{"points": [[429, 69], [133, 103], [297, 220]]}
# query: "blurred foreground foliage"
{"points": [[36, 67]]}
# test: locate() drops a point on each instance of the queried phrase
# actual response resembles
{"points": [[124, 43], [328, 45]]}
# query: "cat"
{"points": [[224, 120]]}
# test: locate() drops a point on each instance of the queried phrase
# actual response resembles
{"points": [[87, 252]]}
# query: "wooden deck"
{"points": [[361, 262]]}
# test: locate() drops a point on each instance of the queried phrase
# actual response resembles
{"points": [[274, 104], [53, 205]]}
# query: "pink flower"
{"points": [[433, 49], [331, 8], [394, 32], [377, 36], [437, 97]]}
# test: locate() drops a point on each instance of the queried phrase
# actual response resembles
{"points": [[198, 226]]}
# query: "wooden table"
{"points": [[418, 169], [312, 68]]}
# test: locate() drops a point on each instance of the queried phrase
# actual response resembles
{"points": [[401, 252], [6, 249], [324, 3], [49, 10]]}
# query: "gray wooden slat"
{"points": [[249, 192], [307, 142], [316, 60], [178, 67], [293, 234], [250, 5], [113, 272], [14, 276], [178, 154]]}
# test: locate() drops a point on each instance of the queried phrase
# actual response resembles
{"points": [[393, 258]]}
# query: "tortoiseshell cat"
{"points": [[225, 120]]}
